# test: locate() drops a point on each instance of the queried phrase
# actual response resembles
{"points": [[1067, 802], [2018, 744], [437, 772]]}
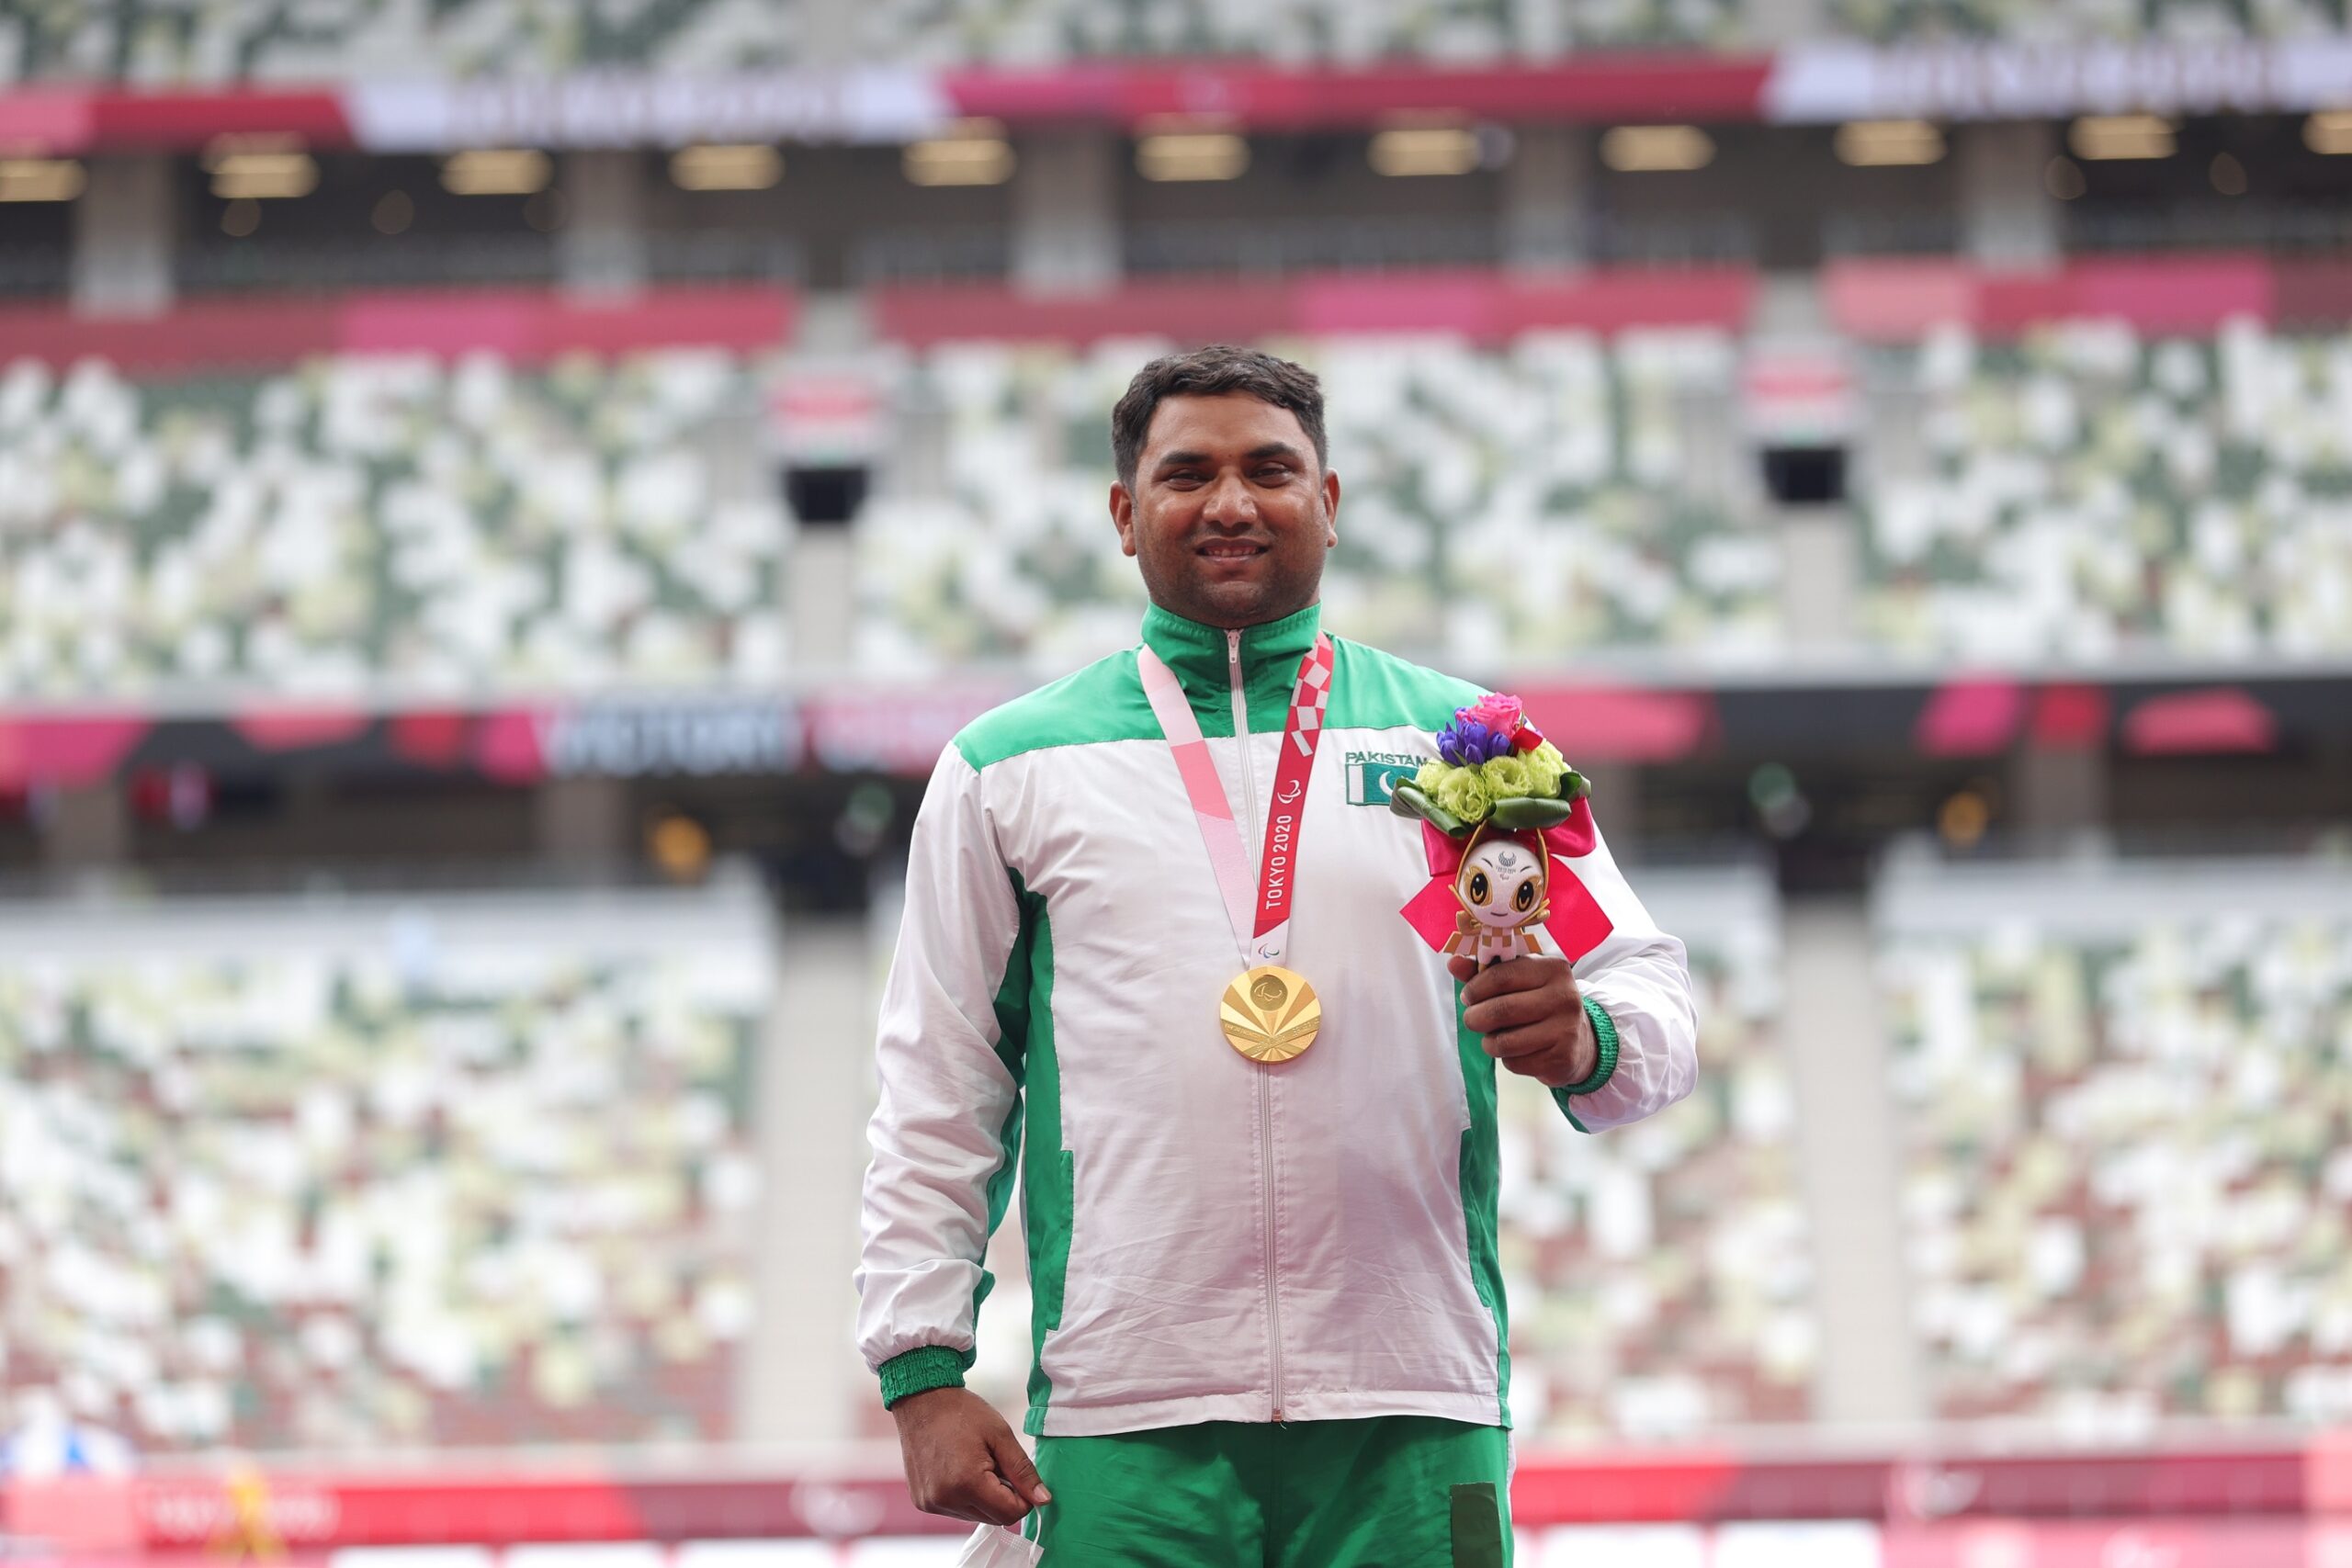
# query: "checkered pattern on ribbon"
{"points": [[1310, 696], [1263, 939]]}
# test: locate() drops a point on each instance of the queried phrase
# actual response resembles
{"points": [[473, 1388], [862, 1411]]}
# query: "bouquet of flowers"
{"points": [[1500, 812], [1492, 766]]}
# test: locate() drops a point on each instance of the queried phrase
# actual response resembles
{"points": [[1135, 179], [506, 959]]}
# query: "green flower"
{"points": [[1509, 776], [1545, 768], [1462, 791]]}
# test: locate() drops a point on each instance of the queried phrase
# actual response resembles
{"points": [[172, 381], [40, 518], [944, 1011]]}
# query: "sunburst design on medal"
{"points": [[1269, 1014]]}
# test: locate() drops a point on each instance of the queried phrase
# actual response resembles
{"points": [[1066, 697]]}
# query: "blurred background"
{"points": [[502, 502]]}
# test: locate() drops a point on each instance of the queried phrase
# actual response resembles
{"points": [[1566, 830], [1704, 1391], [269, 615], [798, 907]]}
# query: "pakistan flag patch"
{"points": [[1372, 775]]}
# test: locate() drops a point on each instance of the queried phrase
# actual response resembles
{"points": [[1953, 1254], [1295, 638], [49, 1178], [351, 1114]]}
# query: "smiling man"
{"points": [[1152, 937]]}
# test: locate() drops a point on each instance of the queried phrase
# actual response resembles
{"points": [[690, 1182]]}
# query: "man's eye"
{"points": [[1478, 888], [1525, 897], [1274, 476]]}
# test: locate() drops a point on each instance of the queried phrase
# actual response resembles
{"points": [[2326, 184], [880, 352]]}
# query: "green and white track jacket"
{"points": [[1209, 1238]]}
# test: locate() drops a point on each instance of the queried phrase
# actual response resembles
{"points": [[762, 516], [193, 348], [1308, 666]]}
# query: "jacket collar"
{"points": [[1201, 657]]}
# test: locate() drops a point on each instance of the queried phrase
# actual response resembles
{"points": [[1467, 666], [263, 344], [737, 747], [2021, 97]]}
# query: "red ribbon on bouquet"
{"points": [[1577, 922]]}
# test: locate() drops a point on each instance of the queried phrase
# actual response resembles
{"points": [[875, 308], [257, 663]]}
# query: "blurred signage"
{"points": [[1819, 83], [628, 739], [615, 108], [639, 737], [1797, 394], [243, 1514], [1623, 724], [2109, 1543], [66, 749], [828, 412], [900, 732]]}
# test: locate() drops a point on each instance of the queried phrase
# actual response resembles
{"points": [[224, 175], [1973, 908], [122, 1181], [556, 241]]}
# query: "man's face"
{"points": [[1231, 513]]}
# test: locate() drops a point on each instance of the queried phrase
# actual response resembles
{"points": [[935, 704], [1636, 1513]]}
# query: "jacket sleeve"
{"points": [[947, 1127], [1636, 989]]}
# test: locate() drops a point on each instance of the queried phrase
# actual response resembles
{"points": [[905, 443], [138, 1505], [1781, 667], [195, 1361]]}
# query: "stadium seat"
{"points": [[1036, 32], [2085, 21], [457, 1171], [386, 526], [158, 43], [2085, 494], [2125, 1181]]}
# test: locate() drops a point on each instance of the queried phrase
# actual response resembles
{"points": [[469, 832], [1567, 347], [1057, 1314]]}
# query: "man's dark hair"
{"points": [[1207, 373]]}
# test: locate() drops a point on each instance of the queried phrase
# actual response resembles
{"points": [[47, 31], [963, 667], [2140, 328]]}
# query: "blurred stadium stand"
{"points": [[1594, 486], [361, 525], [399, 528], [2086, 493], [146, 42], [350, 1173], [2125, 1170]]}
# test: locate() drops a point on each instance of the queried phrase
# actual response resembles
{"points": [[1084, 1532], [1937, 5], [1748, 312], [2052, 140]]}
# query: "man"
{"points": [[1267, 1318]]}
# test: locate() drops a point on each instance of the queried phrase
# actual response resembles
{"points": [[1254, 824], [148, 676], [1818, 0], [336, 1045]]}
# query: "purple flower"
{"points": [[1465, 743]]}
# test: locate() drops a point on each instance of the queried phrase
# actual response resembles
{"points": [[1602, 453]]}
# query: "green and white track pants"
{"points": [[1383, 1491]]}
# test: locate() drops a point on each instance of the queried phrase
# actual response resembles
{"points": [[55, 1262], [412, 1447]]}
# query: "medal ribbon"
{"points": [[1262, 934]]}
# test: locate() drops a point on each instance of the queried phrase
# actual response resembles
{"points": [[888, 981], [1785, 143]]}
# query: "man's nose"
{"points": [[1229, 502]]}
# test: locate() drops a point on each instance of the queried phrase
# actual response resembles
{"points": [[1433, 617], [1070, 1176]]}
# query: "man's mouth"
{"points": [[1229, 550]]}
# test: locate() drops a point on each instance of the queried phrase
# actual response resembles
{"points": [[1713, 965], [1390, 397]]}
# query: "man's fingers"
{"points": [[999, 1504], [1512, 1010], [1509, 1044], [1013, 1463], [1535, 1053], [1463, 969], [1548, 1068], [984, 1499], [1513, 974]]}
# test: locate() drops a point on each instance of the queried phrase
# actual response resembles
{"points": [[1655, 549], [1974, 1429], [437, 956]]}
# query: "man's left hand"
{"points": [[1531, 1015]]}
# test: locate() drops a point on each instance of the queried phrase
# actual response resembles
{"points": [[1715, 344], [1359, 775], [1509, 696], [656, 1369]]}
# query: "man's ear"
{"points": [[1122, 516], [1330, 510]]}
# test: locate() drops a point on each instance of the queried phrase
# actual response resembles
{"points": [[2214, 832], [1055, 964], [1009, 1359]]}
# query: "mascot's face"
{"points": [[1501, 883]]}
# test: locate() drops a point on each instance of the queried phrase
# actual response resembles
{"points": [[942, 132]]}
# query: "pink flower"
{"points": [[1496, 711]]}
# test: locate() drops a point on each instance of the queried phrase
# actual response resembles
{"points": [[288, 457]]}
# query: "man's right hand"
{"points": [[963, 1460]]}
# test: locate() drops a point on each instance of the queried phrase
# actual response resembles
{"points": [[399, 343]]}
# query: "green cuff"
{"points": [[919, 1370], [1604, 1039]]}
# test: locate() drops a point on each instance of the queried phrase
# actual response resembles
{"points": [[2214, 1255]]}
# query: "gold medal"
{"points": [[1269, 1014]]}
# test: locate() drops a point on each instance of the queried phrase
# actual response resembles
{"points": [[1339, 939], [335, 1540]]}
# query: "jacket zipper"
{"points": [[1265, 1088]]}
